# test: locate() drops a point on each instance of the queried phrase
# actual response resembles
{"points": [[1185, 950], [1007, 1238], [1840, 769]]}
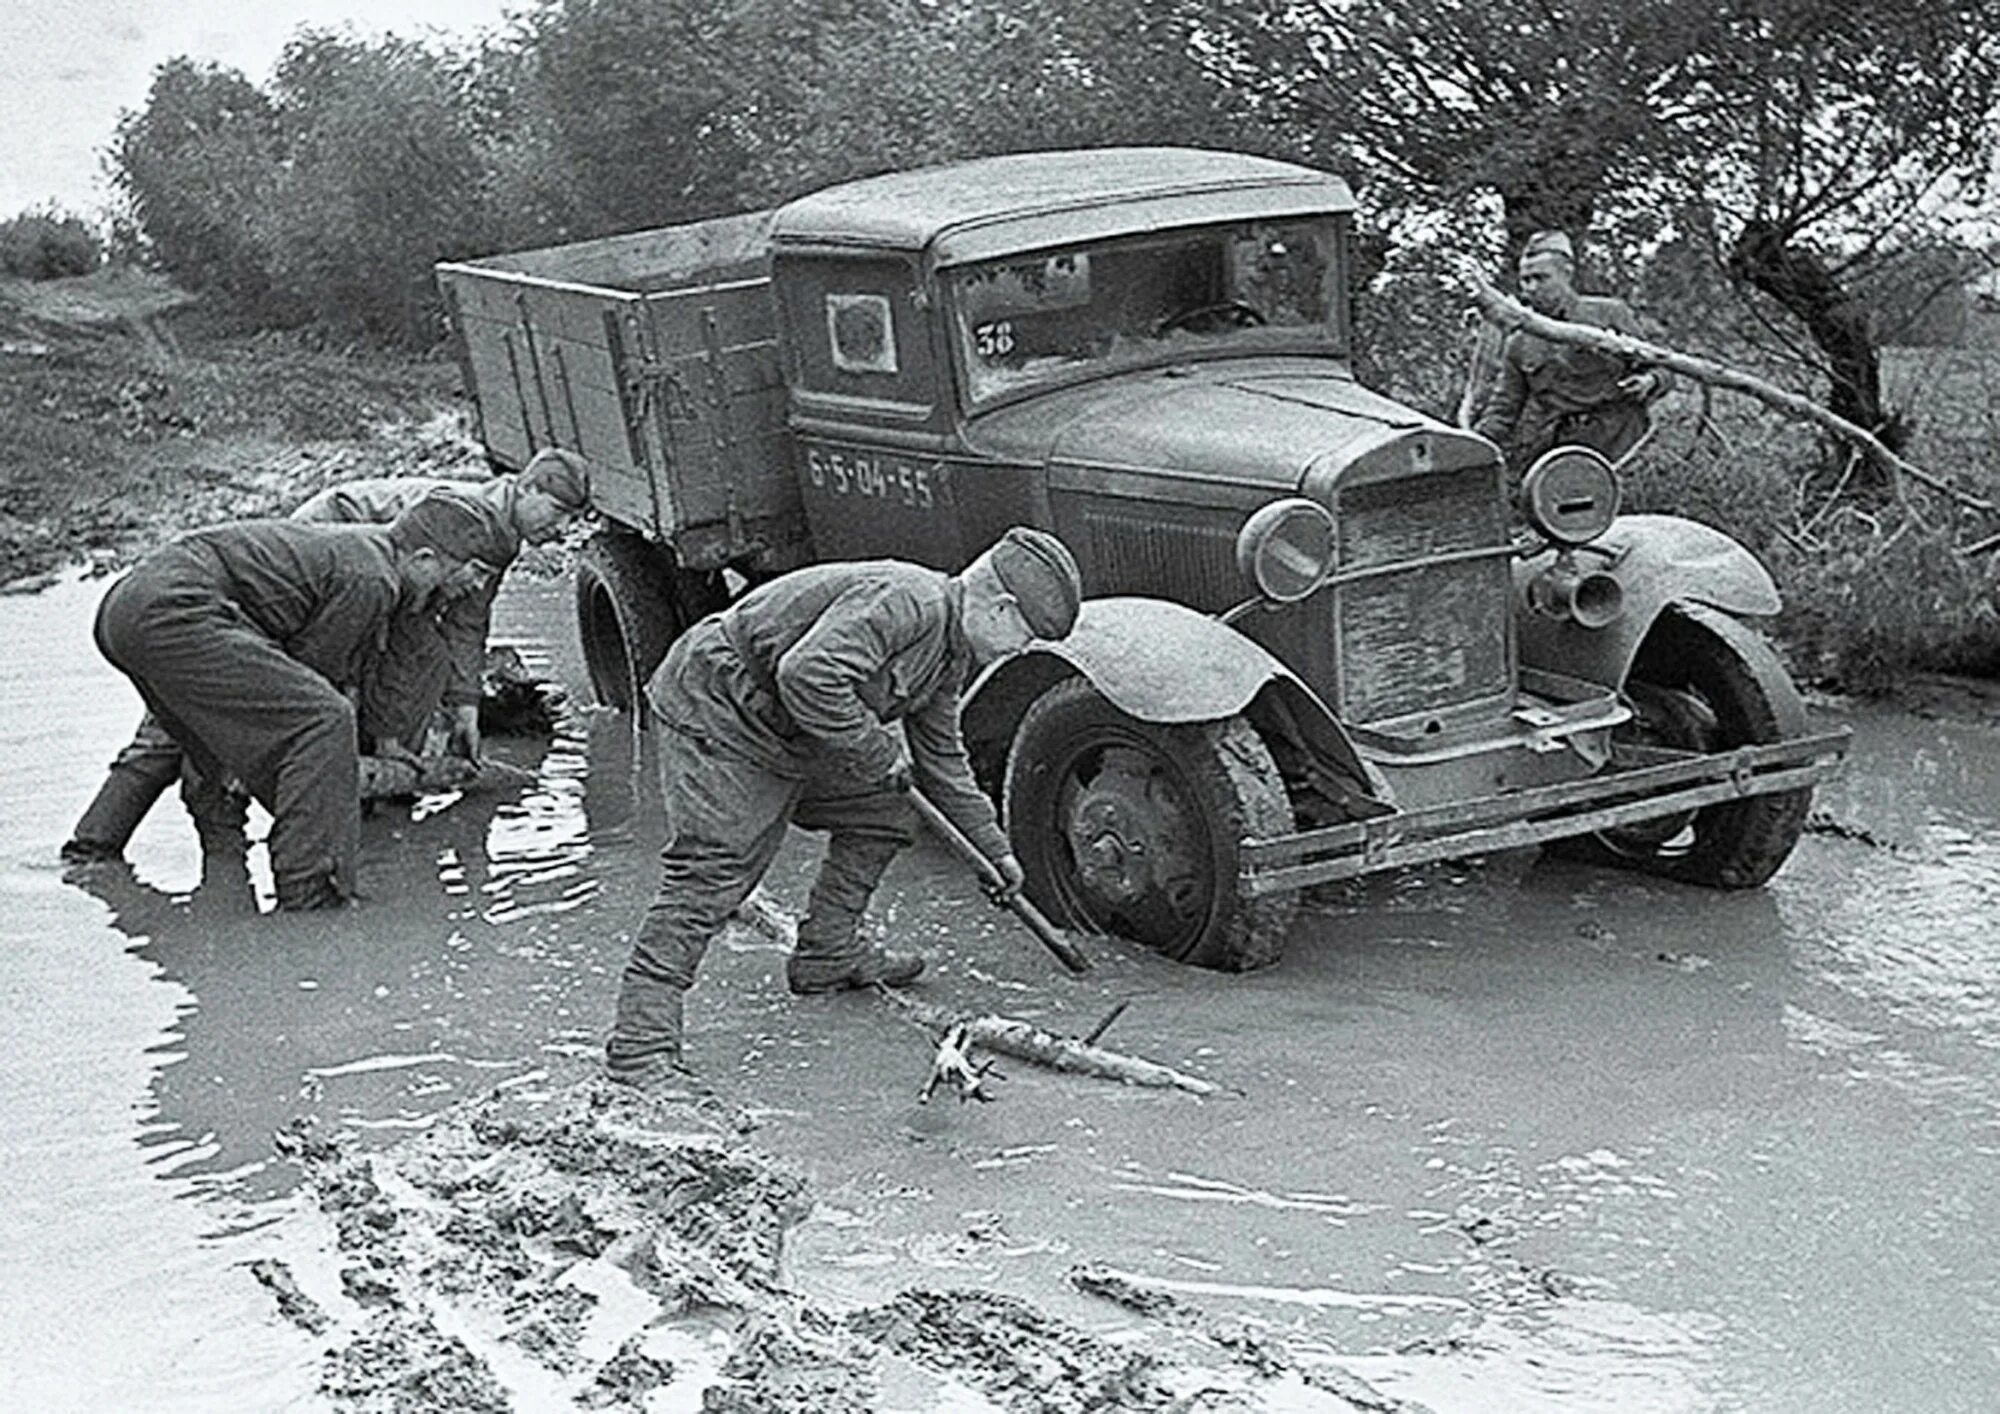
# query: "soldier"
{"points": [[778, 709], [435, 658], [1549, 394], [236, 637]]}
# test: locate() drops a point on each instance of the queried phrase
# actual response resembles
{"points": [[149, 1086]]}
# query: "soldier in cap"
{"points": [[780, 709], [239, 638], [431, 660], [1549, 394]]}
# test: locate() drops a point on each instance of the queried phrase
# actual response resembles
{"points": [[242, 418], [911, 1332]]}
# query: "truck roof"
{"points": [[993, 205]]}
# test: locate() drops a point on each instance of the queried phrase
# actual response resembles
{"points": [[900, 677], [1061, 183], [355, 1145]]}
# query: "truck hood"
{"points": [[1285, 425]]}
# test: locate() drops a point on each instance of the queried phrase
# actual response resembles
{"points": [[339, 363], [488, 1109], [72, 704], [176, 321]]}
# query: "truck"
{"points": [[1324, 633]]}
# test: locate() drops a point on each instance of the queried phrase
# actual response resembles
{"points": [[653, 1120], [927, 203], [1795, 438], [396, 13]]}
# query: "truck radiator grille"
{"points": [[1137, 554], [1431, 636]]}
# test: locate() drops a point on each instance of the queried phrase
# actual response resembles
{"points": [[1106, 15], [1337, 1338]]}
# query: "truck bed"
{"points": [[654, 355]]}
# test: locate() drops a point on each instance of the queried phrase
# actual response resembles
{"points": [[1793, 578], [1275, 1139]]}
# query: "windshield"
{"points": [[1055, 315]]}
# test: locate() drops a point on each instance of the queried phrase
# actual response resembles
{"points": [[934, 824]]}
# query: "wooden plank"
{"points": [[666, 256], [746, 314]]}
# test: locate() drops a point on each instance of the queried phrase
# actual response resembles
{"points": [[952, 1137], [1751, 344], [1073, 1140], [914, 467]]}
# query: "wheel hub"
{"points": [[1128, 835]]}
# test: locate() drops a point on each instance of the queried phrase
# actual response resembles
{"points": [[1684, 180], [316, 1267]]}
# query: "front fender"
{"points": [[1657, 561], [1159, 662]]}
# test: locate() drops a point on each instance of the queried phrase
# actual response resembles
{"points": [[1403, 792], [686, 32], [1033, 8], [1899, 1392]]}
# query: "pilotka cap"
{"points": [[563, 475], [457, 526], [1549, 243], [1039, 571]]}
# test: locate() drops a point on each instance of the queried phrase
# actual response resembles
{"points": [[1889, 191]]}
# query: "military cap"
{"points": [[561, 475], [1549, 243], [1041, 574], [457, 526]]}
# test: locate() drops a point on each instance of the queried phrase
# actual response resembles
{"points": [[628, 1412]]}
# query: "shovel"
{"points": [[1045, 932]]}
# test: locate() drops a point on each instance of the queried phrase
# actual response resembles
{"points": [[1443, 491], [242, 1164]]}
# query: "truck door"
{"points": [[876, 475]]}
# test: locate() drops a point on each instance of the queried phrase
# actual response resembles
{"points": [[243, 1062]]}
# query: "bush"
{"points": [[46, 245]]}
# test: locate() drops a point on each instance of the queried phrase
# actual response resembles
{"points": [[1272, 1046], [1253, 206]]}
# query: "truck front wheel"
{"points": [[1704, 682], [1134, 828], [631, 604]]}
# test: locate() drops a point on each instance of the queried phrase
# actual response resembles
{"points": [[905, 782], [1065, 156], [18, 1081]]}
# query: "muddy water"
{"points": [[1511, 1136]]}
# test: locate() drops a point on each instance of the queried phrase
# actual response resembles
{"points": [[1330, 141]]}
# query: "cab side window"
{"points": [[857, 334]]}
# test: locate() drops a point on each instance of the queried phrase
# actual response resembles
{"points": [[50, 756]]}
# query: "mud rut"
{"points": [[545, 1249]]}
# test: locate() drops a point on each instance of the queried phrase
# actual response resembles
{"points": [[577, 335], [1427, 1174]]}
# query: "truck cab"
{"points": [[1323, 636]]}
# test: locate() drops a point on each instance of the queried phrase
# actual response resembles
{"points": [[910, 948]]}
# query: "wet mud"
{"points": [[590, 1245], [1500, 1135]]}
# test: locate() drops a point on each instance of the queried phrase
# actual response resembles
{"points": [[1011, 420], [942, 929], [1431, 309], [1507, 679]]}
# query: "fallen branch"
{"points": [[1022, 1040], [1000, 1035], [1510, 313]]}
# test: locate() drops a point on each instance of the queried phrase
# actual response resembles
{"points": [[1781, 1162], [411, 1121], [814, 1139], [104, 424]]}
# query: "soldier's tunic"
{"points": [[778, 709], [426, 659], [235, 637], [445, 668], [1549, 394]]}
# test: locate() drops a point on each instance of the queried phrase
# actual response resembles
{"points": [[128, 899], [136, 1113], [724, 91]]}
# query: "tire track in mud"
{"points": [[589, 1247]]}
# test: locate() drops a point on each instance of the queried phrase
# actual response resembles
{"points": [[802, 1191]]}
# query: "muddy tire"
{"points": [[1703, 681], [631, 604], [1134, 828]]}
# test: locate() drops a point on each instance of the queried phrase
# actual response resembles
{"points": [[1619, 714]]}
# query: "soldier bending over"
{"points": [[779, 709]]}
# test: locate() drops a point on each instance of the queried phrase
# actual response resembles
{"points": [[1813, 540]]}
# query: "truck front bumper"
{"points": [[1640, 783]]}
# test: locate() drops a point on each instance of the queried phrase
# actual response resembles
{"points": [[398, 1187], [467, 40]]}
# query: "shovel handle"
{"points": [[1022, 908]]}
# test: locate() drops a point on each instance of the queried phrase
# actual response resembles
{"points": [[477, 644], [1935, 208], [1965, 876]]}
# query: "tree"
{"points": [[194, 166], [1824, 133], [385, 174], [1808, 132], [1550, 106], [903, 83], [637, 107]]}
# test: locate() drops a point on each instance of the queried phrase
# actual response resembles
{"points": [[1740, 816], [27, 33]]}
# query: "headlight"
{"points": [[1286, 549], [1570, 495]]}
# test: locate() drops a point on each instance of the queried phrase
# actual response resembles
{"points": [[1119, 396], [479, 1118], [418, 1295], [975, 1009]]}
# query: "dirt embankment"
{"points": [[131, 415], [589, 1247]]}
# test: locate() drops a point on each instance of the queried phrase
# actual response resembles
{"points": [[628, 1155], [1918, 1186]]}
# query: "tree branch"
{"points": [[1511, 314]]}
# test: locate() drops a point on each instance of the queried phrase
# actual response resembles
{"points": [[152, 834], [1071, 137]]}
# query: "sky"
{"points": [[67, 67]]}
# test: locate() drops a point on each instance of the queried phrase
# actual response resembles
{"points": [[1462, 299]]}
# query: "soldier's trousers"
{"points": [[242, 709], [729, 797], [397, 702]]}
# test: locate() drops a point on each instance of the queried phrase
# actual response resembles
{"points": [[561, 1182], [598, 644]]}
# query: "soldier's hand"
{"points": [[901, 776], [1638, 385], [1010, 881], [464, 735]]}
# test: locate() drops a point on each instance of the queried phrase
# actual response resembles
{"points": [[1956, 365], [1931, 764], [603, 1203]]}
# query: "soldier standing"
{"points": [[1549, 394], [779, 709], [236, 637]]}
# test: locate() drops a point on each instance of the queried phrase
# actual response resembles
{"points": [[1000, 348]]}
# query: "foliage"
{"points": [[904, 83], [637, 107], [46, 245], [195, 166], [1918, 297], [384, 175], [1552, 107]]}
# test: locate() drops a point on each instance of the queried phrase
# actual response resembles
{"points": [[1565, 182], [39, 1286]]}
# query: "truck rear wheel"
{"points": [[631, 604], [1704, 682], [1134, 828]]}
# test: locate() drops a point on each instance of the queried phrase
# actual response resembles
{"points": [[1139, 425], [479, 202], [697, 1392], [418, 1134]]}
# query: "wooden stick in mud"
{"points": [[1001, 1035], [1022, 1040], [1510, 313]]}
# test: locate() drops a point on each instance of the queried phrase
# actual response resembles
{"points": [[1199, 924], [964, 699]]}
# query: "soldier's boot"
{"points": [[645, 1046], [220, 811], [830, 956]]}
